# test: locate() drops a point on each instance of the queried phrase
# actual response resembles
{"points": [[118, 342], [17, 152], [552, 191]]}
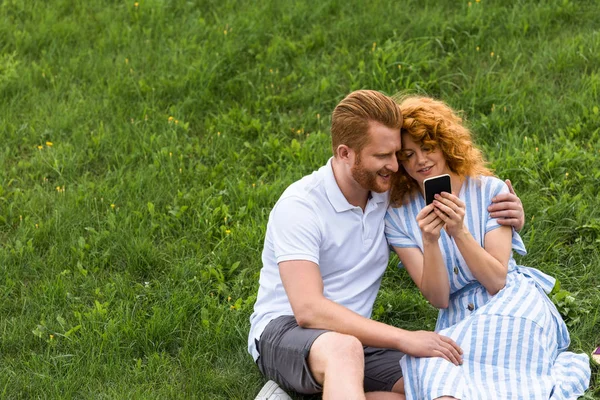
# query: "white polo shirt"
{"points": [[313, 221]]}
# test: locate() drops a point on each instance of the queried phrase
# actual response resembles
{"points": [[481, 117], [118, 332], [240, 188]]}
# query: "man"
{"points": [[323, 259]]}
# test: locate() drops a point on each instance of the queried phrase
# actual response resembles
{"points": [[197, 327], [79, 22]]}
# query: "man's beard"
{"points": [[367, 179]]}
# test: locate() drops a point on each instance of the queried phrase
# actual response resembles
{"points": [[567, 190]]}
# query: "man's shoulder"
{"points": [[308, 189]]}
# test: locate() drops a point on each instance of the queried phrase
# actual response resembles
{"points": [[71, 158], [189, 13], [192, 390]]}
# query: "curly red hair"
{"points": [[434, 124]]}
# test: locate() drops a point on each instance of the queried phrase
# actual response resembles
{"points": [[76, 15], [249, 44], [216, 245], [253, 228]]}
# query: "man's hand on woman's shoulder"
{"points": [[507, 207]]}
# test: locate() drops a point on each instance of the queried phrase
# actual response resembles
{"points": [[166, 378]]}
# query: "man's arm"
{"points": [[304, 287], [507, 207]]}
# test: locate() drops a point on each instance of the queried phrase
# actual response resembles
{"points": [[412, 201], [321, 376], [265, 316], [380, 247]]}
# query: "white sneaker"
{"points": [[272, 391]]}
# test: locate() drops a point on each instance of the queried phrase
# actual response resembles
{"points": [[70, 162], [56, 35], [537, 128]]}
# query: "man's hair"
{"points": [[351, 118], [434, 124]]}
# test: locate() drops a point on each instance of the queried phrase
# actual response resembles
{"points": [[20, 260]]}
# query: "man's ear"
{"points": [[344, 153]]}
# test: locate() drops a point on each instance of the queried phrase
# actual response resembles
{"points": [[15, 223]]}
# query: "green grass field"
{"points": [[143, 145]]}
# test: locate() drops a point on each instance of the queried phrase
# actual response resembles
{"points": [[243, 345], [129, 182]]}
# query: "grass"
{"points": [[143, 145]]}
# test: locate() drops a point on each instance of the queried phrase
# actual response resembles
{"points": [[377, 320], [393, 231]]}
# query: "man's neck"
{"points": [[352, 191]]}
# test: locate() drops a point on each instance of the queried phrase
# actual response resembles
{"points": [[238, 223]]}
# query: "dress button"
{"points": [[456, 270], [471, 307]]}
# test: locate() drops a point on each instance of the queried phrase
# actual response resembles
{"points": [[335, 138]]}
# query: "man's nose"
{"points": [[394, 164]]}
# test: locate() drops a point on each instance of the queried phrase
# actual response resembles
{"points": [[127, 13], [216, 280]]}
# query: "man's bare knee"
{"points": [[333, 347]]}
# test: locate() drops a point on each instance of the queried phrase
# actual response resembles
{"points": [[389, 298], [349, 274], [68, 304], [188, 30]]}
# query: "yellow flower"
{"points": [[51, 337], [58, 188], [225, 32], [477, 48], [218, 133], [477, 1], [136, 4], [492, 54], [254, 185], [566, 175], [36, 226], [112, 206], [49, 144], [40, 147], [469, 4], [228, 298], [171, 119], [227, 231]]}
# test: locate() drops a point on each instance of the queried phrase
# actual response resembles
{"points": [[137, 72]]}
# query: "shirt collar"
{"points": [[337, 198]]}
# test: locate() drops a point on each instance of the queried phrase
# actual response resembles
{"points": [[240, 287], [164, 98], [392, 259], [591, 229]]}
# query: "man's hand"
{"points": [[507, 207], [430, 344]]}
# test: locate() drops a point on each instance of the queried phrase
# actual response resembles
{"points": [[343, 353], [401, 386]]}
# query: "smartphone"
{"points": [[435, 185]]}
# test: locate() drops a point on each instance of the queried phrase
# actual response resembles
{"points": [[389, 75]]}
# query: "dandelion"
{"points": [[176, 122], [469, 4], [20, 218], [36, 226], [228, 298], [566, 175], [271, 70], [58, 188], [477, 48], [374, 46], [51, 337], [225, 32], [492, 54], [112, 206], [232, 307], [254, 185], [399, 66], [136, 4], [180, 170], [170, 154], [49, 144], [227, 231], [218, 133], [40, 147], [171, 119], [477, 1], [536, 149]]}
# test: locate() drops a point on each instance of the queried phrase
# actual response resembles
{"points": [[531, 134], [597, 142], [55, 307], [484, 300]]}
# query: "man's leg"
{"points": [[336, 361]]}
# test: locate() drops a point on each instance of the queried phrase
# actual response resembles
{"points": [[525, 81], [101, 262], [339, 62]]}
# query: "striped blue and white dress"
{"points": [[515, 343]]}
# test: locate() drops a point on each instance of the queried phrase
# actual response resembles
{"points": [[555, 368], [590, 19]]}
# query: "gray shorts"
{"points": [[284, 348]]}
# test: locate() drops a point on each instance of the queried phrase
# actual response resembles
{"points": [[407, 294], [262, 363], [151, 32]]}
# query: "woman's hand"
{"points": [[430, 224], [451, 210]]}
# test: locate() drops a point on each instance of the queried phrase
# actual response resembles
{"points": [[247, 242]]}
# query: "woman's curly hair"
{"points": [[434, 124]]}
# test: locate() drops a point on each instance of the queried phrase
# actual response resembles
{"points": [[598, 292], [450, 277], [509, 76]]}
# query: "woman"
{"points": [[513, 338]]}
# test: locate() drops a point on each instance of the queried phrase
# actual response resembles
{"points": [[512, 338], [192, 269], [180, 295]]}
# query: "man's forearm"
{"points": [[326, 314]]}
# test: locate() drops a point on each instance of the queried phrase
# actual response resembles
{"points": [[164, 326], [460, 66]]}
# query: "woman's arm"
{"points": [[489, 264], [427, 269]]}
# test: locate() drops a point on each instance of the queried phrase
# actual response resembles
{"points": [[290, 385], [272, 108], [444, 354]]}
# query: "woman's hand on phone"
{"points": [[451, 210], [430, 224]]}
